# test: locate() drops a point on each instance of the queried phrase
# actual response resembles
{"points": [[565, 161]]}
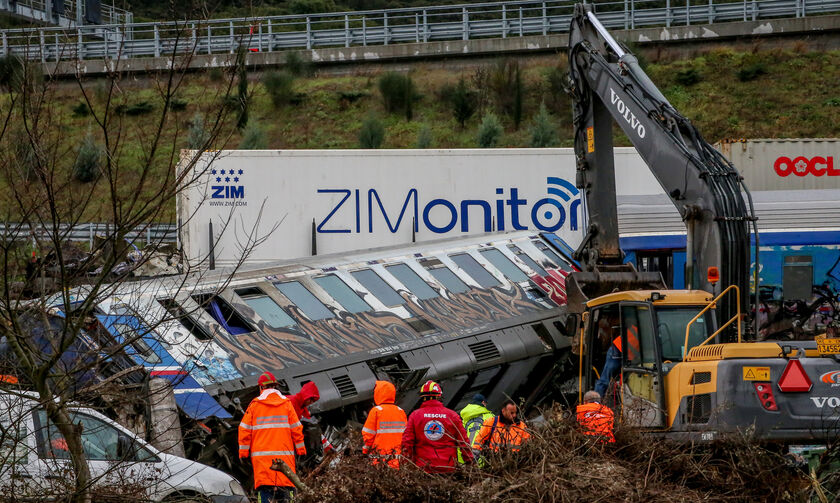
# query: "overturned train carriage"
{"points": [[479, 314]]}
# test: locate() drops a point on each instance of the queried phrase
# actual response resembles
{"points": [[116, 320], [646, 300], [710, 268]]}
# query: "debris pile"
{"points": [[559, 464]]}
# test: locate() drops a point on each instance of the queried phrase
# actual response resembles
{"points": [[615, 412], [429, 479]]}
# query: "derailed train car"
{"points": [[479, 314]]}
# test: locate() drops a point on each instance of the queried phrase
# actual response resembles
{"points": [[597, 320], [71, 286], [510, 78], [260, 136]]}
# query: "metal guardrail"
{"points": [[380, 27], [152, 233]]}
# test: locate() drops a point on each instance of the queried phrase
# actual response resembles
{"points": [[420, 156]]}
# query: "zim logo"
{"points": [[433, 430], [227, 176], [832, 378]]}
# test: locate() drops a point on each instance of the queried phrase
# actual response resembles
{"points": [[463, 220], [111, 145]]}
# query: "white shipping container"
{"points": [[356, 199], [786, 164]]}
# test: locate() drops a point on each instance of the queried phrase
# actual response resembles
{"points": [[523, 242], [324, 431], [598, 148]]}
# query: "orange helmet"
{"points": [[266, 378], [431, 388]]}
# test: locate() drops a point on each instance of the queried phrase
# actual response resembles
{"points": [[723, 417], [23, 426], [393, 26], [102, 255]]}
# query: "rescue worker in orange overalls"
{"points": [[594, 418], [505, 431], [270, 430], [383, 430], [612, 365]]}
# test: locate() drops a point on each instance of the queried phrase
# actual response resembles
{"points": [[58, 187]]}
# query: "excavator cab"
{"points": [[653, 330]]}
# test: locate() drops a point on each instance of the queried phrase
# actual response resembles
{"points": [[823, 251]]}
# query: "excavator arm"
{"points": [[607, 84]]}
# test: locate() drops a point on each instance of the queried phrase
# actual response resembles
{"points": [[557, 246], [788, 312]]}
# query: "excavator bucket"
{"points": [[583, 286]]}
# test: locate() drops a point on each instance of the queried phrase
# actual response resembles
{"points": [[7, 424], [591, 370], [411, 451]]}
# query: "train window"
{"points": [[378, 287], [528, 260], [265, 306], [305, 300], [552, 256], [412, 281], [444, 275], [178, 313], [134, 338], [224, 314], [345, 295], [476, 271], [502, 263]]}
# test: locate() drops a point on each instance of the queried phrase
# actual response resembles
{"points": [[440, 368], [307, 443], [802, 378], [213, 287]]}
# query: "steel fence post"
{"points": [[157, 41], [270, 36], [79, 49], [687, 12], [5, 45], [57, 57], [416, 27], [425, 26], [521, 33], [308, 33], [364, 30], [544, 19], [385, 27], [44, 56], [465, 28], [504, 20], [209, 40], [754, 10], [711, 12], [632, 14], [346, 30], [667, 13], [232, 39], [626, 11], [745, 10]]}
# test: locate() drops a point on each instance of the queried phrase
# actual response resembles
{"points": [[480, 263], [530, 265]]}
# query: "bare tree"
{"points": [[122, 172]]}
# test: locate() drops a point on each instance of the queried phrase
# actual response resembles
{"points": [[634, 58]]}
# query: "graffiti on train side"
{"points": [[311, 341]]}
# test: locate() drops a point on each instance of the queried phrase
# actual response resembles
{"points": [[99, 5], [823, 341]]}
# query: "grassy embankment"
{"points": [[726, 94]]}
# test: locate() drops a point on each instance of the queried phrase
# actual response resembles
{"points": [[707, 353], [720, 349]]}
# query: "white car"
{"points": [[34, 459]]}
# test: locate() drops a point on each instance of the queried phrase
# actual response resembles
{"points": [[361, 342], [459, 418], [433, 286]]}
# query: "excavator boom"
{"points": [[608, 84]]}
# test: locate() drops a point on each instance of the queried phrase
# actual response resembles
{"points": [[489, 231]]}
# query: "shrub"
{"points": [[751, 72], [197, 134], [490, 131], [555, 80], [463, 102], [398, 93], [352, 96], [215, 74], [372, 133], [688, 77], [833, 102], [80, 109], [424, 137], [311, 6], [87, 166], [139, 108], [253, 137], [178, 105], [505, 82], [543, 132], [279, 87], [296, 65], [11, 71]]}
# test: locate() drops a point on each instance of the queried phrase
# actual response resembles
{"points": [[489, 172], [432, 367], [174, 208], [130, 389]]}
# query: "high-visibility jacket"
{"points": [[433, 437], [270, 430], [496, 434], [596, 419], [633, 340], [474, 416], [383, 430]]}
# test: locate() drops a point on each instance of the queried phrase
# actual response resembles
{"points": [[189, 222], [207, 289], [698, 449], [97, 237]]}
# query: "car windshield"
{"points": [[671, 328]]}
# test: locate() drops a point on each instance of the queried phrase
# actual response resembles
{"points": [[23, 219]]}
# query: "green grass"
{"points": [[795, 97]]}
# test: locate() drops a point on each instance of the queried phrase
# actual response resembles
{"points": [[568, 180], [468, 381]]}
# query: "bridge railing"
{"points": [[380, 27], [87, 232]]}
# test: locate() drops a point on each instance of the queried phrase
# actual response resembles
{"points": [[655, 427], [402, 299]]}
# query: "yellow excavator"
{"points": [[686, 370]]}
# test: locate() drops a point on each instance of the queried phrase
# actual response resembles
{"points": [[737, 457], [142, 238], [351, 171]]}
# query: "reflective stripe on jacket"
{"points": [[495, 434], [474, 416], [385, 424], [596, 419], [269, 430]]}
